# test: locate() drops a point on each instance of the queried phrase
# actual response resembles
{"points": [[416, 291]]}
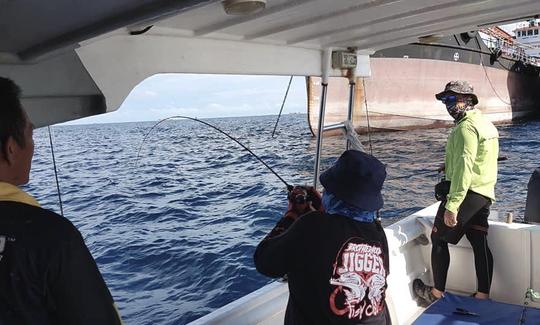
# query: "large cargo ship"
{"points": [[399, 94]]}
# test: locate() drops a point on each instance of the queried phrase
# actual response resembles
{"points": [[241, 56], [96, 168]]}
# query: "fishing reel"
{"points": [[298, 195], [304, 194]]}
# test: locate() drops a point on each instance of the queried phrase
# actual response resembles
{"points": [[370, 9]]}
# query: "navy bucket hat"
{"points": [[356, 178]]}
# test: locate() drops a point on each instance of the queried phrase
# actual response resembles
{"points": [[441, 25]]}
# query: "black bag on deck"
{"points": [[441, 190]]}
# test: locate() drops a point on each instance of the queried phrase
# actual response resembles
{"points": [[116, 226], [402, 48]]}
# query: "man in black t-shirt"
{"points": [[336, 261], [47, 274]]}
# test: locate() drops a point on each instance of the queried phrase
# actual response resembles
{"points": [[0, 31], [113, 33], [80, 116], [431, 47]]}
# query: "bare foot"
{"points": [[438, 294]]}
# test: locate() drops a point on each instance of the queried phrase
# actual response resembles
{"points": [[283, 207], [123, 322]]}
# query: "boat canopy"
{"points": [[76, 58]]}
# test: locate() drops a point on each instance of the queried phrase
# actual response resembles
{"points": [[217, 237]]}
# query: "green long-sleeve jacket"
{"points": [[471, 159]]}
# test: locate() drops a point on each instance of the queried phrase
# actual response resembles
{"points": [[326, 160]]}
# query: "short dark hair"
{"points": [[12, 118]]}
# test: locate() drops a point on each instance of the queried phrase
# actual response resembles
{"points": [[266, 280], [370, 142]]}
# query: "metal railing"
{"points": [[514, 49]]}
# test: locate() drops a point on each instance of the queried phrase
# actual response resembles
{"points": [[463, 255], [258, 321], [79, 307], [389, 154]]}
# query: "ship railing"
{"points": [[514, 50]]}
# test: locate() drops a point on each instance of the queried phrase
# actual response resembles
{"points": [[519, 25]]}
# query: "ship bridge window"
{"points": [[536, 32], [529, 32]]}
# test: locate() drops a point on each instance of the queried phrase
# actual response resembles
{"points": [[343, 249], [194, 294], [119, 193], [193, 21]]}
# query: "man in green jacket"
{"points": [[471, 170]]}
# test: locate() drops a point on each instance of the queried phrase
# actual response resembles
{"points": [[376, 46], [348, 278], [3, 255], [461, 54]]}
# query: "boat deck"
{"points": [[454, 309]]}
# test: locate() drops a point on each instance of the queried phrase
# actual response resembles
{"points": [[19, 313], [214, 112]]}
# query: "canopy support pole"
{"points": [[326, 65], [352, 89]]}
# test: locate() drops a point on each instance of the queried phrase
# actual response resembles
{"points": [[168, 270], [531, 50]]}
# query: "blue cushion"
{"points": [[482, 312]]}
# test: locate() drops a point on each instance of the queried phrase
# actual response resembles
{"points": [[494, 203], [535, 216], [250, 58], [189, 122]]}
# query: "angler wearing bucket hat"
{"points": [[459, 97], [321, 253], [471, 173]]}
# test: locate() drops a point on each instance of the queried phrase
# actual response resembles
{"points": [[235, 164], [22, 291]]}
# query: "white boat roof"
{"points": [[78, 58]]}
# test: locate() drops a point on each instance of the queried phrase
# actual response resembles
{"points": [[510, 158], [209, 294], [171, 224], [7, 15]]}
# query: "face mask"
{"points": [[457, 112], [454, 111]]}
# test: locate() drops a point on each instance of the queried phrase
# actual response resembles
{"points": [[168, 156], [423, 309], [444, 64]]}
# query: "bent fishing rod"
{"points": [[289, 187]]}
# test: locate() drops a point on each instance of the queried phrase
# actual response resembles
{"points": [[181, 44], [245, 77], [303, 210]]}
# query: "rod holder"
{"points": [[509, 217]]}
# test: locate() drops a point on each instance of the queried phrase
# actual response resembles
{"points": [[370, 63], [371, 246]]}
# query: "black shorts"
{"points": [[473, 214]]}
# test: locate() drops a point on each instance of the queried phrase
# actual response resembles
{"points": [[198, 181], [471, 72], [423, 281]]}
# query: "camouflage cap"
{"points": [[458, 87]]}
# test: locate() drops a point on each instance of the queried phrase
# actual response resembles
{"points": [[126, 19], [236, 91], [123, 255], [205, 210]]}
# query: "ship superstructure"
{"points": [[529, 36]]}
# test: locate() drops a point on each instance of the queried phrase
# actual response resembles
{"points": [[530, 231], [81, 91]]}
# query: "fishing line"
{"points": [[217, 129], [55, 172], [431, 171], [425, 172], [282, 104]]}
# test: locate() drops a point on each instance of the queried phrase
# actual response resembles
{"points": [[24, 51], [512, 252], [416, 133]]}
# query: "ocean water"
{"points": [[174, 232]]}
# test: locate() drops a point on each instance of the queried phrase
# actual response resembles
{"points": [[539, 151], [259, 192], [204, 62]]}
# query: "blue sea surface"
{"points": [[174, 232]]}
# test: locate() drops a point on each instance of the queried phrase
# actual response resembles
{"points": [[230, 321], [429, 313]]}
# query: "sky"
{"points": [[206, 96], [509, 28]]}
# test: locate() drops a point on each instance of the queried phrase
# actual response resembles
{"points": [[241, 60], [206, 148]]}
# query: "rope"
{"points": [[487, 76], [492, 87], [56, 172], [282, 104]]}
